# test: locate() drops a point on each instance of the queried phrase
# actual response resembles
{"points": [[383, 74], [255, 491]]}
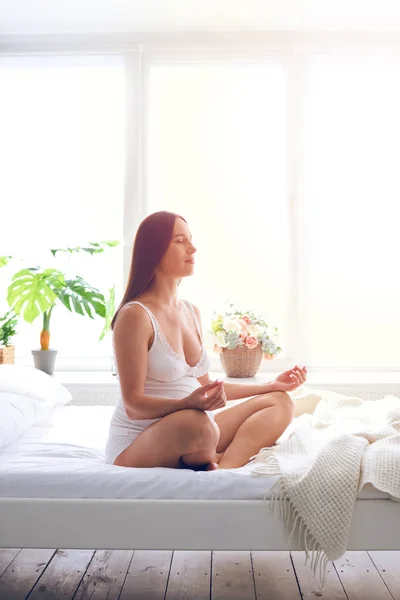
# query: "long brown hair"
{"points": [[151, 242]]}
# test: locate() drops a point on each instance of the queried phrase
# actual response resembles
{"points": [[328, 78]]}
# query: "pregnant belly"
{"points": [[171, 389]]}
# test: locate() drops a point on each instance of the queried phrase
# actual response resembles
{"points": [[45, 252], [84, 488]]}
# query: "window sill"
{"points": [[383, 380], [101, 388]]}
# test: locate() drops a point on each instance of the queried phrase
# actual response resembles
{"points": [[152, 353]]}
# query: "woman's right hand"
{"points": [[207, 397]]}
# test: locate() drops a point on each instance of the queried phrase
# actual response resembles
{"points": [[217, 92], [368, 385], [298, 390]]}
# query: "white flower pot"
{"points": [[45, 360]]}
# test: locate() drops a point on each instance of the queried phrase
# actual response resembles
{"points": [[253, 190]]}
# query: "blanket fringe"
{"points": [[281, 504]]}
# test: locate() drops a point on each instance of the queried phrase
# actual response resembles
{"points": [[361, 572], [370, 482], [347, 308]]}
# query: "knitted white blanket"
{"points": [[325, 461]]}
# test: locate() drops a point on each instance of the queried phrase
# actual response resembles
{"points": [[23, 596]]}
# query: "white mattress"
{"points": [[67, 461]]}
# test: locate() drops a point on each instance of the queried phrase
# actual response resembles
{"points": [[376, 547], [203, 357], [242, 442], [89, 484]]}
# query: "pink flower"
{"points": [[268, 356], [217, 349], [246, 319], [251, 342]]}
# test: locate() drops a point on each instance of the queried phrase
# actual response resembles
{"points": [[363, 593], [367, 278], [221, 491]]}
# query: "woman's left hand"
{"points": [[289, 380]]}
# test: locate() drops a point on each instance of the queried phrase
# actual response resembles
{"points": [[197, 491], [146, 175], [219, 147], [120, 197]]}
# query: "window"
{"points": [[283, 161], [62, 151], [217, 155], [352, 191]]}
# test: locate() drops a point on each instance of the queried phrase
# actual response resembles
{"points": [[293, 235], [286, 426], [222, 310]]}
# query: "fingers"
{"points": [[210, 386], [220, 405], [214, 393], [299, 373], [218, 402]]}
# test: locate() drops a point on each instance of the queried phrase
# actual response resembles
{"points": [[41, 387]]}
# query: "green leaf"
{"points": [[8, 325], [92, 248], [98, 246], [109, 243], [110, 311], [31, 293], [70, 250], [4, 260], [80, 297]]}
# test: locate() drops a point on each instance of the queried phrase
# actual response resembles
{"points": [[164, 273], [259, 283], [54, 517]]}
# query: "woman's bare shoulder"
{"points": [[132, 316]]}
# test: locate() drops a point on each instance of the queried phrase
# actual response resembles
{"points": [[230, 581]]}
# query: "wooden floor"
{"points": [[205, 575]]}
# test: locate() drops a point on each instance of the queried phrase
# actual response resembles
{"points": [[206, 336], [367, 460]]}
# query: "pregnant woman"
{"points": [[164, 416]]}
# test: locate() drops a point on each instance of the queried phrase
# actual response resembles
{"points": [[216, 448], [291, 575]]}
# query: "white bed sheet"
{"points": [[67, 461]]}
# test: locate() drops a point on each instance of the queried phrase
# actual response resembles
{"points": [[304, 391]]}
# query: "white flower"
{"points": [[251, 330], [259, 331], [220, 339], [230, 324]]}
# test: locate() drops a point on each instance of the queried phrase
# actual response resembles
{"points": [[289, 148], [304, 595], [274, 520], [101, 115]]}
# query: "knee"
{"points": [[208, 434], [203, 432], [288, 406]]}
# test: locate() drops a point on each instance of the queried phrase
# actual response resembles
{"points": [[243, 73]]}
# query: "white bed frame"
{"points": [[176, 524], [124, 524]]}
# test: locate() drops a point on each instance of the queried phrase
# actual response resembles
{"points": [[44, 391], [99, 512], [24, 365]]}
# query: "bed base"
{"points": [[176, 525]]}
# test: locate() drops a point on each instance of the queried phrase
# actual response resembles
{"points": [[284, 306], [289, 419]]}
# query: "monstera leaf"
{"points": [[80, 297], [33, 292], [110, 310]]}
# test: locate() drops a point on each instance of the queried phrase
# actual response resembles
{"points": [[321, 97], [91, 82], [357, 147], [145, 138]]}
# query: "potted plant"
{"points": [[242, 339], [35, 292], [8, 324]]}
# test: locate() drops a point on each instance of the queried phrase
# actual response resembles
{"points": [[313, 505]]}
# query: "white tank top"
{"points": [[168, 373]]}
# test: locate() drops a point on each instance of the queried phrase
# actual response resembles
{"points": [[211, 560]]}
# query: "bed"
{"points": [[56, 491]]}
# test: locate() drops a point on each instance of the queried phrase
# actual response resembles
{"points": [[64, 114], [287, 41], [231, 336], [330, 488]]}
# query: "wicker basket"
{"points": [[241, 362], [7, 355]]}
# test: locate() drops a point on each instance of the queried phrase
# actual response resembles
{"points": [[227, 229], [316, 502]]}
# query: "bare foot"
{"points": [[212, 466]]}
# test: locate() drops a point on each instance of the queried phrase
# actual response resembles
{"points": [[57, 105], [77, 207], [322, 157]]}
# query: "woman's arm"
{"points": [[236, 391]]}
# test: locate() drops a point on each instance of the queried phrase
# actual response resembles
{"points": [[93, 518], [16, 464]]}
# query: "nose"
{"points": [[193, 249]]}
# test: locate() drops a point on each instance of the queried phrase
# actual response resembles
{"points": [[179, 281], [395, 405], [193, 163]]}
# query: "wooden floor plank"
{"points": [[360, 578], [37, 574], [190, 575], [232, 576], [7, 555], [62, 576], [274, 576], [310, 587], [388, 565], [147, 575], [105, 576], [22, 574]]}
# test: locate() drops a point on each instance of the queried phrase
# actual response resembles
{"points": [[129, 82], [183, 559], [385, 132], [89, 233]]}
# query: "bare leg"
{"points": [[201, 459], [185, 434], [260, 430]]}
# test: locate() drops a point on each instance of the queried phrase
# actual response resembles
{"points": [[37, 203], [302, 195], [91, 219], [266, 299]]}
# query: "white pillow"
{"points": [[35, 384], [19, 413]]}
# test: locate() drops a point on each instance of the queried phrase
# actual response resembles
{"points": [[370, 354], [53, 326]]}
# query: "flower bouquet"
{"points": [[242, 339]]}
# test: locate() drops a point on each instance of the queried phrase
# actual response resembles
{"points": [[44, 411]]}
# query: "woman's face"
{"points": [[178, 261]]}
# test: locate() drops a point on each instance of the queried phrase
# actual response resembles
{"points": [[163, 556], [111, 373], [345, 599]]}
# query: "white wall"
{"points": [[80, 16]]}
